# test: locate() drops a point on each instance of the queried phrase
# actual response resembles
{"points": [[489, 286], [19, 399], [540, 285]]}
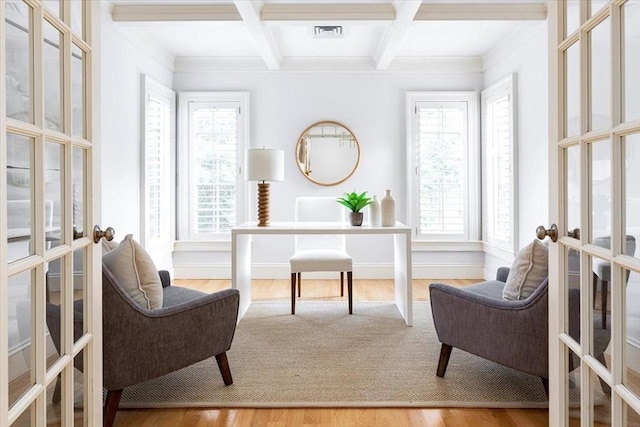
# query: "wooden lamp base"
{"points": [[263, 204]]}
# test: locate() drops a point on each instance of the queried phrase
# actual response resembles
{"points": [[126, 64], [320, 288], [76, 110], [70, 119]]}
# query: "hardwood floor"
{"points": [[369, 290]]}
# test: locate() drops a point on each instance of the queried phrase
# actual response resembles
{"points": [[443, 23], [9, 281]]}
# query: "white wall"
{"points": [[125, 57], [526, 55], [372, 105]]}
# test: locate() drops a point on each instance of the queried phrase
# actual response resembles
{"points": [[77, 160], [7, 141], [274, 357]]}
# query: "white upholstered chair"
{"points": [[315, 252]]}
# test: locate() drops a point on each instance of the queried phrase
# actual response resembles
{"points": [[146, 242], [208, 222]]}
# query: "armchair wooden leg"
{"points": [[293, 293], [299, 284], [342, 283], [445, 354], [111, 406], [223, 365], [350, 290]]}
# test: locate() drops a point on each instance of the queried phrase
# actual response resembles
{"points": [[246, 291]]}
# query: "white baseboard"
{"points": [[361, 271]]}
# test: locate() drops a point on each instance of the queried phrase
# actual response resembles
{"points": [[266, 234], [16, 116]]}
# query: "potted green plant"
{"points": [[355, 202]]}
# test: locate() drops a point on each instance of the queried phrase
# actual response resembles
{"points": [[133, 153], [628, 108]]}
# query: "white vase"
{"points": [[388, 209], [374, 211]]}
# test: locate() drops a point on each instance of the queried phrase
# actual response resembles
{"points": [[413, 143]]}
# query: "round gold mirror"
{"points": [[327, 153]]}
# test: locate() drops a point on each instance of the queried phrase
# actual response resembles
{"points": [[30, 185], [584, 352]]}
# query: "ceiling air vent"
{"points": [[327, 31]]}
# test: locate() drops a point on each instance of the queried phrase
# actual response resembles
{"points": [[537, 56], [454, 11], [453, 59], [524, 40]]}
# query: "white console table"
{"points": [[241, 255]]}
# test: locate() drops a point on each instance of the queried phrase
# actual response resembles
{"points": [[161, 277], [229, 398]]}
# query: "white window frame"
{"points": [[504, 87], [472, 190], [241, 99], [151, 87]]}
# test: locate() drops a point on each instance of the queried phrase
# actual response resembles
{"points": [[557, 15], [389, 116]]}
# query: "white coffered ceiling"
{"points": [[279, 35]]}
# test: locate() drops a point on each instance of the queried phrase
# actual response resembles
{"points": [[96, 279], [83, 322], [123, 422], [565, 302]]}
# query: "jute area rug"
{"points": [[323, 357]]}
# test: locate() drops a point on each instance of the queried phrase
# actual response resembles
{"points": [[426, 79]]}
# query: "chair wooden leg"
{"points": [[350, 290], [545, 384], [445, 354], [57, 392], [299, 284], [595, 288], [111, 406], [342, 283], [223, 365], [293, 293], [603, 302]]}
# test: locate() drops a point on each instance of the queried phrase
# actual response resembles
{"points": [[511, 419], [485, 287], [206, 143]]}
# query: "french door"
{"points": [[50, 293], [594, 299]]}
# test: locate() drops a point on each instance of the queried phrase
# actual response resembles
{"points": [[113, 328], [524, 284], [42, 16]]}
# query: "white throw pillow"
{"points": [[136, 272], [529, 269]]}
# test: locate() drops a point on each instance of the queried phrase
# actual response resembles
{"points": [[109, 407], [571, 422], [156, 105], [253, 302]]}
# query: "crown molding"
{"points": [[329, 64], [509, 45], [138, 39]]}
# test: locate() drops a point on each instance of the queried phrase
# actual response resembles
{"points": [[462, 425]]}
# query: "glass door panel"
{"points": [[77, 90], [19, 65], [574, 387], [77, 17], [632, 319], [20, 213], [631, 52], [53, 101], [572, 183], [572, 90], [600, 76], [631, 199], [53, 6], [79, 290], [79, 188], [54, 185], [54, 278], [572, 16], [601, 314], [596, 5], [573, 278], [21, 337], [600, 191]]}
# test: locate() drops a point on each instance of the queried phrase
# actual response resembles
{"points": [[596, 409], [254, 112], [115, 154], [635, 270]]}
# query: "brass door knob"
{"points": [[575, 233], [552, 232], [98, 234]]}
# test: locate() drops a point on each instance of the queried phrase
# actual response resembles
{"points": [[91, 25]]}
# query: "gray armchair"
{"points": [[141, 344], [515, 334]]}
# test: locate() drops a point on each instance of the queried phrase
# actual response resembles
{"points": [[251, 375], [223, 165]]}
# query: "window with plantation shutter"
{"points": [[444, 174], [158, 154], [499, 168], [215, 136]]}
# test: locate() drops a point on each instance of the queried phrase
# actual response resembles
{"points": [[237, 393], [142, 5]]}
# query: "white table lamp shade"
{"points": [[265, 164]]}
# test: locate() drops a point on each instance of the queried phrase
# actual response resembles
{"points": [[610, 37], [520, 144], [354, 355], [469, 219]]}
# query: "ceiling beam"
{"points": [[390, 44], [249, 11], [162, 13], [328, 12], [481, 12]]}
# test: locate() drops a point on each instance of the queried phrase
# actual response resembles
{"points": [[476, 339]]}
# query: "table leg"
{"points": [[241, 270], [403, 286]]}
